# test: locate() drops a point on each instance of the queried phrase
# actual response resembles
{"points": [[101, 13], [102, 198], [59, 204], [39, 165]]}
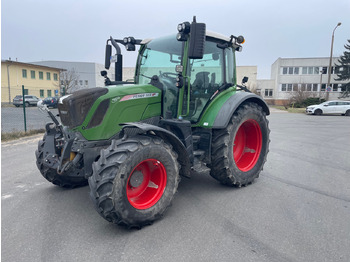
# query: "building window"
{"points": [[290, 70], [81, 82], [24, 73], [304, 69], [86, 82], [48, 92], [41, 75], [48, 76], [284, 87], [41, 93], [323, 87], [268, 92], [25, 92], [314, 87], [75, 82], [55, 77], [32, 74]]}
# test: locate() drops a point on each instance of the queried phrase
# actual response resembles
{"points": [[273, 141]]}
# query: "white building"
{"points": [[289, 75]]}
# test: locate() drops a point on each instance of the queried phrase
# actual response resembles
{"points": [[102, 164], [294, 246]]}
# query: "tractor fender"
{"points": [[167, 136], [230, 106]]}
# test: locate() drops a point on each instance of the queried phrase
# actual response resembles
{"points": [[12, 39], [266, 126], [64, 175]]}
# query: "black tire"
{"points": [[27, 104], [71, 178], [119, 185], [231, 163], [318, 112], [347, 113], [16, 105]]}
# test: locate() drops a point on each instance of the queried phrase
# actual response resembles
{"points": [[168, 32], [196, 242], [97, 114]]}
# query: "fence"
{"points": [[23, 118]]}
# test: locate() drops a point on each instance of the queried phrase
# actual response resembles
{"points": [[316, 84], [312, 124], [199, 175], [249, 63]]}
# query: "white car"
{"points": [[330, 107]]}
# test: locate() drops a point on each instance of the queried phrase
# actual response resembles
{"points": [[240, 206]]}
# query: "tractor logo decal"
{"points": [[139, 96], [114, 100]]}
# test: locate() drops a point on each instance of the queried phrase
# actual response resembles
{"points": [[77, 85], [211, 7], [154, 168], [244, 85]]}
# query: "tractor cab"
{"points": [[189, 69]]}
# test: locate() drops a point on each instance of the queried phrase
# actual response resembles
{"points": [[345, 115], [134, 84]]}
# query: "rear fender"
{"points": [[230, 106]]}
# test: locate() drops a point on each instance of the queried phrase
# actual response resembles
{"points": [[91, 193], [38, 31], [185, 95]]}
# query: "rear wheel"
{"points": [[347, 113], [73, 177], [134, 181], [240, 150]]}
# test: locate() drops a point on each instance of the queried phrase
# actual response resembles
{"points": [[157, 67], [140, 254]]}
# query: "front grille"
{"points": [[74, 108]]}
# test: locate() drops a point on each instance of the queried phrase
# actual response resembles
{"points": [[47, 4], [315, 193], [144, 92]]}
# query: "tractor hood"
{"points": [[97, 112]]}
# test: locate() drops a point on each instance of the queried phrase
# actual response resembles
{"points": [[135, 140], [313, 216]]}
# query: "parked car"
{"points": [[29, 100], [51, 101], [330, 107]]}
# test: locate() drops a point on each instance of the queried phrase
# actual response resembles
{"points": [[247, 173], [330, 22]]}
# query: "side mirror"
{"points": [[245, 80], [108, 56], [197, 40]]}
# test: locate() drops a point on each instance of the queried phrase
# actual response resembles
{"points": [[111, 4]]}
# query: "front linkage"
{"points": [[64, 157]]}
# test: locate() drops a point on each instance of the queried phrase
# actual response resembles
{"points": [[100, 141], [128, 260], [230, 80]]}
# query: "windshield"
{"points": [[159, 56]]}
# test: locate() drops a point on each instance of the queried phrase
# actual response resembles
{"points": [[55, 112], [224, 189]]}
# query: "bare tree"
{"points": [[68, 81]]}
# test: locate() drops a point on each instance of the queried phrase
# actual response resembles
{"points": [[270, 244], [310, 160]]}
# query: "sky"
{"points": [[77, 30]]}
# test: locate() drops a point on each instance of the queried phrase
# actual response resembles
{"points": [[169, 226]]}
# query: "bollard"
{"points": [[24, 110]]}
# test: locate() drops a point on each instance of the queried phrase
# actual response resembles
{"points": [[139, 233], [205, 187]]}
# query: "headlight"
{"points": [[184, 27]]}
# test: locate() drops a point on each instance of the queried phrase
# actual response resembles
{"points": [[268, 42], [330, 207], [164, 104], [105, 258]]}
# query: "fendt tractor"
{"points": [[184, 113]]}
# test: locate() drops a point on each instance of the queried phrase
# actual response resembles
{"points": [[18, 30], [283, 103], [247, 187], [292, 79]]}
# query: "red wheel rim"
{"points": [[247, 145], [146, 184]]}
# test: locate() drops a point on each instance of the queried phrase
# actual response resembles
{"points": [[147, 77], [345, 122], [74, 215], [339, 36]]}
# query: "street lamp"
{"points": [[330, 64]]}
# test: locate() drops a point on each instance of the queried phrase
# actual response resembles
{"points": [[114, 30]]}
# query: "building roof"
{"points": [[29, 64]]}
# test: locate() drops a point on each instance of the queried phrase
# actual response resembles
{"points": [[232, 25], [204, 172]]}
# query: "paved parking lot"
{"points": [[298, 210], [12, 118]]}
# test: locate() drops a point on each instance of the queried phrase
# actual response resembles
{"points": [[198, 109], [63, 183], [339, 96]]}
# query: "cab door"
{"points": [[206, 75]]}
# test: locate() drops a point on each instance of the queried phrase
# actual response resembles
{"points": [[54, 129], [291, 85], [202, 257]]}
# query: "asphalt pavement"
{"points": [[297, 210]]}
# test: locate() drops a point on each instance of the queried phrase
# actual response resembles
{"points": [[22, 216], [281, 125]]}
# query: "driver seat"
{"points": [[201, 83]]}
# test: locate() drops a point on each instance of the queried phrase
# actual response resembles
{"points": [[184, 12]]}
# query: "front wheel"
{"points": [[347, 113], [239, 151], [318, 112], [134, 181]]}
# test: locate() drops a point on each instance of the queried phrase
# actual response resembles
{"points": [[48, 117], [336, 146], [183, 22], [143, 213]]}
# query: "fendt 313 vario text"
{"points": [[132, 141]]}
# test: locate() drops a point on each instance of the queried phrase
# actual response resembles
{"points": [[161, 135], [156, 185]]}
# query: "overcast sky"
{"points": [[76, 30]]}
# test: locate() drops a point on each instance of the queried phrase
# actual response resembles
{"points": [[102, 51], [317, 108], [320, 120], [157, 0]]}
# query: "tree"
{"points": [[68, 81], [344, 71]]}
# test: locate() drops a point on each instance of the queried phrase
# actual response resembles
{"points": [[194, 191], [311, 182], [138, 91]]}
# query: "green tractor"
{"points": [[132, 141]]}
